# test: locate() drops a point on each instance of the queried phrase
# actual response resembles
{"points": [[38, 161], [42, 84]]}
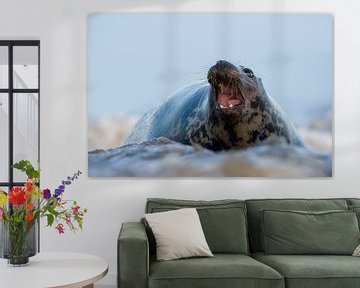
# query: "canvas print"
{"points": [[210, 95]]}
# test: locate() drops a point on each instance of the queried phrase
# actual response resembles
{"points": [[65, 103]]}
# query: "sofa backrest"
{"points": [[354, 205], [353, 202], [223, 221], [256, 205]]}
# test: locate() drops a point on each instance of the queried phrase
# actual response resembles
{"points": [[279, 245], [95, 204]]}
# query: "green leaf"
{"points": [[79, 221], [28, 168], [53, 211], [50, 219]]}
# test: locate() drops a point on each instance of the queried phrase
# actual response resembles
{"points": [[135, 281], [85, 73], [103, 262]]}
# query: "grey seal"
{"points": [[231, 110]]}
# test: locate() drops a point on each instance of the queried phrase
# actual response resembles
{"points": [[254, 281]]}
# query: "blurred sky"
{"points": [[137, 59]]}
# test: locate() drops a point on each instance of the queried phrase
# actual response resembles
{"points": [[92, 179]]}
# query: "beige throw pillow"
{"points": [[178, 234]]}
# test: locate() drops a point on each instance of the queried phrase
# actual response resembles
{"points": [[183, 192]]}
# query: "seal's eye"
{"points": [[248, 72]]}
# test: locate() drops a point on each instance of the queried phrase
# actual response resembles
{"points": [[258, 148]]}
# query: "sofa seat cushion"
{"points": [[222, 270], [313, 271]]}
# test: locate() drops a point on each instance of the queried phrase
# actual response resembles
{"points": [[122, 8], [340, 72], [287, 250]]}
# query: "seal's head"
{"points": [[241, 112], [231, 85]]}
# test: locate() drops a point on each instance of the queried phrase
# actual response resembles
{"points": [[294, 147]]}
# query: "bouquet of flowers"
{"points": [[23, 206]]}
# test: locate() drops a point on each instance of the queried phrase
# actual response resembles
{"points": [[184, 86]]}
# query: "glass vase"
{"points": [[18, 242]]}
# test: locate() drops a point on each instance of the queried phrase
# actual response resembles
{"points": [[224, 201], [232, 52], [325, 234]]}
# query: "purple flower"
{"points": [[68, 181], [58, 192], [46, 194]]}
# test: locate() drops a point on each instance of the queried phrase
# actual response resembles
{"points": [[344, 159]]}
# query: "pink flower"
{"points": [[68, 219], [76, 210], [60, 228], [1, 212]]}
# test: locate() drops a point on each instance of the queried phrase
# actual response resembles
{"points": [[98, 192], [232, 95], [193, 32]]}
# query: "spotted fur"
{"points": [[192, 115]]}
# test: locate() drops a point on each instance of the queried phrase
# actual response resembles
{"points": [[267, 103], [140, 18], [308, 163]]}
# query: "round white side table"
{"points": [[60, 270]]}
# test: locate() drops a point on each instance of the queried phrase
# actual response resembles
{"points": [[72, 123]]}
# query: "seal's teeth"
{"points": [[231, 105], [221, 106]]}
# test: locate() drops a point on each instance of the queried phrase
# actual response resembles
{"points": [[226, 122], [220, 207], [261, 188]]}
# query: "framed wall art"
{"points": [[210, 95]]}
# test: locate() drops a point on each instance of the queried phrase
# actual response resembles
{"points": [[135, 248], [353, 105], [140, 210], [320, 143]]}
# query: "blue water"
{"points": [[137, 59]]}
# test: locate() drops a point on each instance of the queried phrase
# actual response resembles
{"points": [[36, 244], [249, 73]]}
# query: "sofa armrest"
{"points": [[133, 256]]}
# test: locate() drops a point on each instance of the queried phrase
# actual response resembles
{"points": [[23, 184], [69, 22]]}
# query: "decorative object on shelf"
{"points": [[21, 208]]}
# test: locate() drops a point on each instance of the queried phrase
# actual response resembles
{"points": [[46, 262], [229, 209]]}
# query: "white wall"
{"points": [[61, 27]]}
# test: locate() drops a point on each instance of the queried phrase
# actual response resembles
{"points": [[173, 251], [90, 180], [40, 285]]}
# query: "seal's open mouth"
{"points": [[225, 78], [229, 97]]}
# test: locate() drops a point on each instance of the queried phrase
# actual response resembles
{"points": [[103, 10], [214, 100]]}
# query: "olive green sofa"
{"points": [[248, 253]]}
